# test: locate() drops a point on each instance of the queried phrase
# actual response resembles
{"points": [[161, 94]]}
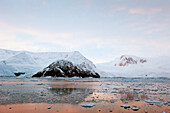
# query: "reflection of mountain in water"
{"points": [[71, 95], [70, 91]]}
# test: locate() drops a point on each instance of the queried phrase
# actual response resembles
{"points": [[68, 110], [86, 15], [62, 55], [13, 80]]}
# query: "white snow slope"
{"points": [[133, 66], [30, 62]]}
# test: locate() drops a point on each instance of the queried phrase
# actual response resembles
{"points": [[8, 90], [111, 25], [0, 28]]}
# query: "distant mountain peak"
{"points": [[126, 60]]}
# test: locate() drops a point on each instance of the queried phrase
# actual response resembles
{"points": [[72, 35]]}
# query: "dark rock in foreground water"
{"points": [[64, 68]]}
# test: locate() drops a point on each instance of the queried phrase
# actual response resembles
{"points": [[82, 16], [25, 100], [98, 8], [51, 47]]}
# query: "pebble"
{"points": [[49, 107]]}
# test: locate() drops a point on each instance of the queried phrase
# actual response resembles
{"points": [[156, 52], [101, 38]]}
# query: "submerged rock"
{"points": [[64, 68]]}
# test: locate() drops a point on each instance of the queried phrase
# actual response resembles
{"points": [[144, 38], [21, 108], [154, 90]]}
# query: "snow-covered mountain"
{"points": [[133, 66], [30, 63], [65, 68]]}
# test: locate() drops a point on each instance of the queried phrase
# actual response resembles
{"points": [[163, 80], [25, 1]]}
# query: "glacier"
{"points": [[134, 66], [123, 66], [30, 62]]}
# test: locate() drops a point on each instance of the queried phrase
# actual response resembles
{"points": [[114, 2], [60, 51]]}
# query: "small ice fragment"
{"points": [[165, 103], [126, 101], [111, 101], [135, 109], [90, 92], [155, 90], [34, 80], [88, 105], [125, 106], [49, 88], [41, 84], [150, 101], [137, 100], [77, 102]]}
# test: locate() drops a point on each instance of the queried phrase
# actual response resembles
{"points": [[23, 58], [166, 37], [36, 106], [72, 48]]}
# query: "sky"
{"points": [[99, 29]]}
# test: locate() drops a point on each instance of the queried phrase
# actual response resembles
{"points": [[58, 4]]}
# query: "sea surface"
{"points": [[42, 95]]}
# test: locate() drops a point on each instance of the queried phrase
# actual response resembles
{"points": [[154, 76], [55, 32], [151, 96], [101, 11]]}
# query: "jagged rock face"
{"points": [[64, 68], [125, 61]]}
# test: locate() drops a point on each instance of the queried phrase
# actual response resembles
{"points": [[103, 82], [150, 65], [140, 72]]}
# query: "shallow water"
{"points": [[67, 95]]}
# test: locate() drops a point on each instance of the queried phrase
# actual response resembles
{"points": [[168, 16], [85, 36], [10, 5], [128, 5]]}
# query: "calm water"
{"points": [[67, 96]]}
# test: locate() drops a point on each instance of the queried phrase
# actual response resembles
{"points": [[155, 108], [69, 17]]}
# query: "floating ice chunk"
{"points": [[41, 84], [49, 88], [137, 99], [34, 80], [150, 101], [135, 109], [155, 90], [88, 105], [111, 101], [125, 106]]}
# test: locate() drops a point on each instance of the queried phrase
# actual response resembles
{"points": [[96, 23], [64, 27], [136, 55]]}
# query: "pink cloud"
{"points": [[145, 10]]}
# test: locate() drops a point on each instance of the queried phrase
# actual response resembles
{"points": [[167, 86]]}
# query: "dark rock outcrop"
{"points": [[64, 68], [19, 73]]}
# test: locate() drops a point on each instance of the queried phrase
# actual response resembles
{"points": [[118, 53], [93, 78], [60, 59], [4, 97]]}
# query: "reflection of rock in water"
{"points": [[70, 95], [69, 91], [54, 95]]}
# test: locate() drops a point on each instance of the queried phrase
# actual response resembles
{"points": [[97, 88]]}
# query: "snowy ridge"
{"points": [[133, 66], [30, 62]]}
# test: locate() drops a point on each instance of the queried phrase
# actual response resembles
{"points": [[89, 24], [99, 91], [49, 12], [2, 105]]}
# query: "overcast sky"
{"points": [[99, 29]]}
